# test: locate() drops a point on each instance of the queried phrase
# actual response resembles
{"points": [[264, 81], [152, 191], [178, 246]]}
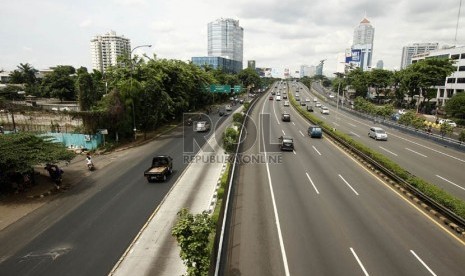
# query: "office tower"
{"points": [[105, 50], [251, 64], [380, 64], [416, 48], [225, 39], [362, 45]]}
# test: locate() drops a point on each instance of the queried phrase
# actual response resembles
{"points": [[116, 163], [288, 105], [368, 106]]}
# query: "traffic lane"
{"points": [[138, 199], [445, 172], [349, 174], [253, 247]]}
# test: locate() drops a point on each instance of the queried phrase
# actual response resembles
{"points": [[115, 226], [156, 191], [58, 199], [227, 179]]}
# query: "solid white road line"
{"points": [[451, 182], [311, 181], [275, 210], [423, 263], [388, 151], [347, 183], [301, 133], [352, 124], [416, 152], [316, 150], [276, 116], [359, 262], [355, 134], [336, 124]]}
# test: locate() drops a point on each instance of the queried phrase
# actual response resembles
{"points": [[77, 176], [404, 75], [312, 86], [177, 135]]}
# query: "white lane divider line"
{"points": [[294, 152], [355, 134], [276, 116], [423, 263], [358, 261], [336, 124], [284, 133], [416, 152], [347, 183], [352, 125], [316, 150], [301, 133], [451, 182], [293, 123], [388, 151], [275, 209], [311, 181]]}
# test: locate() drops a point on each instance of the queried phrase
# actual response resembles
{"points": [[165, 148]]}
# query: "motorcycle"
{"points": [[55, 174], [91, 166]]}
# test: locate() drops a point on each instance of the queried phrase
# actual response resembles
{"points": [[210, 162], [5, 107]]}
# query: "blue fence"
{"points": [[77, 141]]}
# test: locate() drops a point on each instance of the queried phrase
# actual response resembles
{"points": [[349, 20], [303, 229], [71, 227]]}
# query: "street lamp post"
{"points": [[132, 102]]}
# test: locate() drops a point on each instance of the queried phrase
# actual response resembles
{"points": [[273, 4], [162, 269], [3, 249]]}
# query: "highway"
{"points": [[85, 230], [430, 161], [316, 211]]}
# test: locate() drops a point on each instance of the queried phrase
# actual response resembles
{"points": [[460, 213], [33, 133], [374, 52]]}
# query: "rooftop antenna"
{"points": [[457, 26]]}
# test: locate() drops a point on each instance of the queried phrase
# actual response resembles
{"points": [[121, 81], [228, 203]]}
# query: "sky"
{"points": [[277, 34]]}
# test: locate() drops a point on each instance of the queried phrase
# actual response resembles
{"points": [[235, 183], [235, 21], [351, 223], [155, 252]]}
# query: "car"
{"points": [[315, 100], [377, 133], [272, 93], [318, 104], [315, 131], [302, 103], [241, 101], [286, 117], [448, 121], [309, 108], [271, 98], [278, 98], [286, 143], [324, 110], [297, 94], [228, 108], [285, 97], [331, 96], [64, 108], [201, 126], [307, 99], [297, 99], [286, 103]]}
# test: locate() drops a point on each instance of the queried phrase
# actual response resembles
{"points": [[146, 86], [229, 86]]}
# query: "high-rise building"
{"points": [[105, 50], [225, 39], [453, 84], [416, 48], [307, 71], [362, 45], [251, 64], [380, 64]]}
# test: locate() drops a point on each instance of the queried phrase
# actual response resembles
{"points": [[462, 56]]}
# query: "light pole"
{"points": [[130, 88]]}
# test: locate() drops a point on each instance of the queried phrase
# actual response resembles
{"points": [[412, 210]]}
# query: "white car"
{"points": [[377, 133], [331, 96], [315, 100], [448, 121], [228, 108], [318, 104], [286, 103], [307, 99], [324, 110]]}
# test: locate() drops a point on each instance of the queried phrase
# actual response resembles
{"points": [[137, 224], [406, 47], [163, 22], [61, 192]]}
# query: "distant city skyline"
{"points": [[278, 36]]}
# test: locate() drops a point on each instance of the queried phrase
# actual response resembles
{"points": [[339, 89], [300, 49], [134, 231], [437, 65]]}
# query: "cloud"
{"points": [[86, 23], [27, 49]]}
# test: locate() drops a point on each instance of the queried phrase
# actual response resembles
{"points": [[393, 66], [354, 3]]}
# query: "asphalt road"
{"points": [[86, 230], [318, 212], [439, 165]]}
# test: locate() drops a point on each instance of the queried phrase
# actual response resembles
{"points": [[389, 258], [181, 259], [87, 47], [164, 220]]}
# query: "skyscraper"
{"points": [[106, 48], [416, 48], [364, 35], [225, 39]]}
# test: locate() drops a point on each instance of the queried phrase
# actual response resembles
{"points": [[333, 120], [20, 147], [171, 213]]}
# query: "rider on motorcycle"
{"points": [[89, 162]]}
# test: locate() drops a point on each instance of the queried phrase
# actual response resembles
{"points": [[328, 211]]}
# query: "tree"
{"points": [[249, 78], [22, 151], [85, 89], [357, 80], [192, 233], [379, 79], [60, 83], [455, 106]]}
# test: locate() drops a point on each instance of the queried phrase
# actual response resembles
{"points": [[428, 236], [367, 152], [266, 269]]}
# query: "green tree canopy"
{"points": [[455, 106]]}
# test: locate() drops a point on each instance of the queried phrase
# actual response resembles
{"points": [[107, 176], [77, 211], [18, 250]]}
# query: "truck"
{"points": [[162, 166]]}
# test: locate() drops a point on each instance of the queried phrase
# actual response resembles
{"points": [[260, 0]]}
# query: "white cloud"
{"points": [[86, 23]]}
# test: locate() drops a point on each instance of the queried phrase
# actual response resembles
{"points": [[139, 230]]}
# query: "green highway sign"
{"points": [[237, 89], [218, 88]]}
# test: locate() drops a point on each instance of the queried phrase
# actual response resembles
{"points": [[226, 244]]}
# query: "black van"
{"points": [[315, 131]]}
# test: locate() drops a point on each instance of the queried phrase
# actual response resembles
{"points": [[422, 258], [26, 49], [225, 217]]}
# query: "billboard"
{"points": [[353, 55]]}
